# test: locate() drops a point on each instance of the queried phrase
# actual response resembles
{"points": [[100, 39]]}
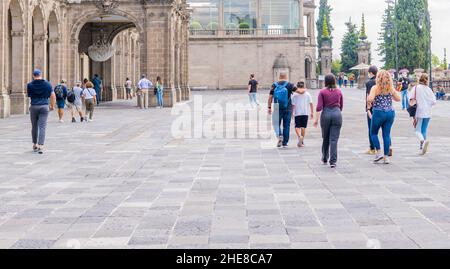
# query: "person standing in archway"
{"points": [[40, 91], [97, 82], [128, 85], [144, 85]]}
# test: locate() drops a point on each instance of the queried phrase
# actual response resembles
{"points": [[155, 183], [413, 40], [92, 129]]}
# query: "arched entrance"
{"points": [[53, 61], [39, 59], [15, 71], [118, 31]]}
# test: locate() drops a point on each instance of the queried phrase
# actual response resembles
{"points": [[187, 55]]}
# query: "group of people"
{"points": [[44, 98], [143, 90], [294, 101], [345, 81]]}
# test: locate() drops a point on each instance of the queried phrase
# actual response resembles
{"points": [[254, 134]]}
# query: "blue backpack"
{"points": [[281, 95]]}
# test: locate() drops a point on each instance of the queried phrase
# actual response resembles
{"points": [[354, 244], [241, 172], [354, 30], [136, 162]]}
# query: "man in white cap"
{"points": [[144, 86]]}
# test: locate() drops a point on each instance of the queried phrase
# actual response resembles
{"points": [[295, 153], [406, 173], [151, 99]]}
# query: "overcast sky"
{"points": [[374, 10]]}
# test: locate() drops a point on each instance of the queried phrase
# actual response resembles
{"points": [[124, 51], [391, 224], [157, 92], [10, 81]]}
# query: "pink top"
{"points": [[330, 98]]}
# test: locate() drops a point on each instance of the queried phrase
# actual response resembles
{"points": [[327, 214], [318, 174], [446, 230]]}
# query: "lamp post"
{"points": [[426, 18]]}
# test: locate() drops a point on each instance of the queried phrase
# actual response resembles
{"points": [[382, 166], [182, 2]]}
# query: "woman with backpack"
{"points": [[423, 97], [90, 99], [329, 107], [159, 92], [380, 99]]}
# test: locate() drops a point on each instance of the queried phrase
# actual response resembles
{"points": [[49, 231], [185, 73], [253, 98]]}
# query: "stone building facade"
{"points": [[150, 37], [230, 39]]}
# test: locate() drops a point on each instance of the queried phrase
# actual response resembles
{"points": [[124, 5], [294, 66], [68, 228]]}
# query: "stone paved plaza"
{"points": [[123, 181]]}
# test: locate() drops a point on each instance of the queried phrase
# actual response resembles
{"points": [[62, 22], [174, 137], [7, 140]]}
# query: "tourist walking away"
{"points": [[329, 107], [159, 92], [422, 96], [373, 71], [405, 85], [128, 85], [90, 99], [280, 95], [352, 79], [43, 100], [74, 101], [380, 98], [84, 83], [253, 87], [345, 81], [303, 108], [340, 81], [61, 95], [97, 82], [143, 86]]}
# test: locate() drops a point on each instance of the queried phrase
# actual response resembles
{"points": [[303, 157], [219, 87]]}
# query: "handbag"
{"points": [[412, 109]]}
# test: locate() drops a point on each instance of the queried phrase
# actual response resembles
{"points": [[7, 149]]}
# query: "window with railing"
{"points": [[240, 15], [205, 16], [277, 15]]}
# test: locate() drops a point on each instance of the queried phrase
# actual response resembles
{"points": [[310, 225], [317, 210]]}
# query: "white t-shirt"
{"points": [[425, 100], [89, 93], [302, 104], [128, 84]]}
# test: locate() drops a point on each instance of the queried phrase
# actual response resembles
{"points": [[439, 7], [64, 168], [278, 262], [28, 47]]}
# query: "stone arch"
{"points": [[53, 61], [39, 44], [308, 67], [86, 17]]}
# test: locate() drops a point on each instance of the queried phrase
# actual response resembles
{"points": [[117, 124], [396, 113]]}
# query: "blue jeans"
{"points": [[405, 101], [99, 95], [253, 98], [369, 125], [384, 120], [159, 98], [283, 115], [422, 128]]}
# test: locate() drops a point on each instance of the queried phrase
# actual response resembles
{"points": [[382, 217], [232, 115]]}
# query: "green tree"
{"points": [[435, 61], [386, 45], [445, 63], [325, 32], [336, 66], [362, 32], [413, 34], [349, 47], [324, 18]]}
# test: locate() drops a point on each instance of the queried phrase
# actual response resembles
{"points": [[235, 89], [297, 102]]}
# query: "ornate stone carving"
{"points": [[107, 6]]}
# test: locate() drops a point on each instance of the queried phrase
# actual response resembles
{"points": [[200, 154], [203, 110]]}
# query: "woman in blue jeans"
{"points": [[159, 93], [380, 98]]}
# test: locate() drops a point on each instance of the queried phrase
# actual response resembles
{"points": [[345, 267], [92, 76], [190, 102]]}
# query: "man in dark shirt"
{"points": [[405, 87], [40, 91], [283, 114], [252, 90], [61, 96], [98, 87], [373, 71]]}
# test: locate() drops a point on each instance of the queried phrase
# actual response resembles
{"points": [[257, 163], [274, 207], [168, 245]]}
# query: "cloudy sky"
{"points": [[374, 9]]}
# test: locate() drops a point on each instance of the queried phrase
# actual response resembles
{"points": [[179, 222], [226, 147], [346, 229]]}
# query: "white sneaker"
{"points": [[61, 121], [425, 147], [378, 158]]}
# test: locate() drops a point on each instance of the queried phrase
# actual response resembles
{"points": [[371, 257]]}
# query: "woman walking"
{"points": [[159, 92], [423, 96], [380, 99], [329, 107], [90, 99]]}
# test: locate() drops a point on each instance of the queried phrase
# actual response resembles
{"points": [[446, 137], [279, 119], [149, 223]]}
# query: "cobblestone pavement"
{"points": [[123, 181]]}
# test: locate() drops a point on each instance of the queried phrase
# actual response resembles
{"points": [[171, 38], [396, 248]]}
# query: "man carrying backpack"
{"points": [[74, 101], [280, 95], [61, 95]]}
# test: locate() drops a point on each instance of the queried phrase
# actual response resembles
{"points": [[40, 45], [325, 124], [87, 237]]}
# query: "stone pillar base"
{"points": [[179, 94], [170, 97], [5, 106], [186, 93], [19, 103], [120, 92]]}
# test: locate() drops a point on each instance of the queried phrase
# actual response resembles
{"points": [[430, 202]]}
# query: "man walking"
{"points": [[97, 87], [373, 71], [144, 86], [61, 95], [40, 91], [280, 95], [74, 101], [405, 86], [253, 86]]}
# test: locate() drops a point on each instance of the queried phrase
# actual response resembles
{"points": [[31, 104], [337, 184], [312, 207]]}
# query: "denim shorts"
{"points": [[61, 103]]}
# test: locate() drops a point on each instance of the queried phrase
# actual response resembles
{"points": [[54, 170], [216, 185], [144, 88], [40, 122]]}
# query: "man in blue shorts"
{"points": [[61, 96]]}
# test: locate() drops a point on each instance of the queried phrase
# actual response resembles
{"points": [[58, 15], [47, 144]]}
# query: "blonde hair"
{"points": [[89, 85], [384, 83]]}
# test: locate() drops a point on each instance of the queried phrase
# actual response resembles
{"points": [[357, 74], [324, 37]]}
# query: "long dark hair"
{"points": [[330, 82]]}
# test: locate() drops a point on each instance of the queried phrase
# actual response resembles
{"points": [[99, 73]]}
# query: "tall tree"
{"points": [[349, 47], [362, 32], [324, 17], [409, 19], [386, 45]]}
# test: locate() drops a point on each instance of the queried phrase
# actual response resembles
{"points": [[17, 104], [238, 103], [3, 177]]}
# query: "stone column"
{"points": [[40, 53], [18, 97], [325, 61], [54, 70], [301, 14], [221, 19], [363, 58], [120, 67], [4, 97], [185, 58]]}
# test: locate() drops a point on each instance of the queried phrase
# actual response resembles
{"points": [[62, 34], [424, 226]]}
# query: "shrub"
{"points": [[244, 25], [195, 25], [212, 26]]}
